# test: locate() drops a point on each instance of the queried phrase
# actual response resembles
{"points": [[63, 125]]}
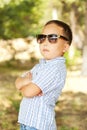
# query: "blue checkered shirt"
{"points": [[39, 111]]}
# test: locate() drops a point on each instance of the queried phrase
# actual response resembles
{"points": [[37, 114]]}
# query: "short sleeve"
{"points": [[47, 80]]}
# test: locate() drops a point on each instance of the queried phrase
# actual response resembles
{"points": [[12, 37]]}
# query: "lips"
{"points": [[45, 50]]}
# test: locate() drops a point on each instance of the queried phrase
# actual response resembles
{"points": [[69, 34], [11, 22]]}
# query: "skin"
{"points": [[49, 51]]}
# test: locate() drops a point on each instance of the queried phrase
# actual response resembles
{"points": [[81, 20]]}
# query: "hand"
{"points": [[40, 94], [26, 80], [29, 76], [22, 81]]}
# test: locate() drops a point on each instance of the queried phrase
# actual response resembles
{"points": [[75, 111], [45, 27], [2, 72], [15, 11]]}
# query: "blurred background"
{"points": [[20, 21]]}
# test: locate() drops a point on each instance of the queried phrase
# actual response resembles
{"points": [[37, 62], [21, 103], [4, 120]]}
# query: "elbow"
{"points": [[17, 85]]}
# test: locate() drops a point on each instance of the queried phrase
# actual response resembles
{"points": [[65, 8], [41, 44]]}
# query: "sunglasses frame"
{"points": [[55, 36]]}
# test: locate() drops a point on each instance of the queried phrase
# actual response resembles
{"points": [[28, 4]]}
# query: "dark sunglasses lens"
{"points": [[41, 38], [52, 38]]}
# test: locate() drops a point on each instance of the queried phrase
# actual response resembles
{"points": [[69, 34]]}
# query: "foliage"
{"points": [[78, 7], [20, 19], [72, 61]]}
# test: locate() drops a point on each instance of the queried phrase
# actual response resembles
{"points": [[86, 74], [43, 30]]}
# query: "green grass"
{"points": [[67, 128]]}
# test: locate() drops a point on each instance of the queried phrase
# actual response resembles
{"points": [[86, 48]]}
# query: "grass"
{"points": [[67, 128]]}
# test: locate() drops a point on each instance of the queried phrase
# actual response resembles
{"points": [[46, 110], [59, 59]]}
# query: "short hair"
{"points": [[66, 28]]}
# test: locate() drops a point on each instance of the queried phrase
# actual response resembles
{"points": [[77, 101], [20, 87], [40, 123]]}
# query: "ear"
{"points": [[66, 47]]}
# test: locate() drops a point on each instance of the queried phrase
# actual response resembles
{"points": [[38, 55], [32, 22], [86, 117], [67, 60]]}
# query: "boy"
{"points": [[42, 86]]}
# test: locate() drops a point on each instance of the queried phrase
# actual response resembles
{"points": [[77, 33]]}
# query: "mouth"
{"points": [[45, 50]]}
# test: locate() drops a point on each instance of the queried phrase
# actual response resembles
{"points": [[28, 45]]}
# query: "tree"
{"points": [[20, 18], [84, 65]]}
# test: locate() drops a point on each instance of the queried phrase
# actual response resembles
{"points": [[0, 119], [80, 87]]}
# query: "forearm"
{"points": [[23, 80], [30, 90], [20, 82], [26, 87]]}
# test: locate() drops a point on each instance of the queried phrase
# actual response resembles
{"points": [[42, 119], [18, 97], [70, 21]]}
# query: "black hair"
{"points": [[66, 28]]}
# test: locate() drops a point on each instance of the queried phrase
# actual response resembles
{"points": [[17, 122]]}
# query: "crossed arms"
{"points": [[26, 87]]}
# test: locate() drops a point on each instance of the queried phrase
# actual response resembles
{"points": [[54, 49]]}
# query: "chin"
{"points": [[47, 58]]}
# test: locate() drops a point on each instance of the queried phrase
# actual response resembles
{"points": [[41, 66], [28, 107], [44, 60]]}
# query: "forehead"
{"points": [[52, 29]]}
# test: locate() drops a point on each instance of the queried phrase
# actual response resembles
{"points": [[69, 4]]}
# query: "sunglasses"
{"points": [[52, 38]]}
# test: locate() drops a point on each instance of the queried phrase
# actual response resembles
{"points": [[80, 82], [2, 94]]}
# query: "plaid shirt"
{"points": [[39, 111]]}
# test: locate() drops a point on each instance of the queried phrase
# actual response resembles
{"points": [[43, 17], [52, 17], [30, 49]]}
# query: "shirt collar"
{"points": [[52, 61]]}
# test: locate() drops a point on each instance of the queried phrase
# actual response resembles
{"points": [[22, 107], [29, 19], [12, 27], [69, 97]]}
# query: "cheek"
{"points": [[54, 48], [57, 49], [60, 47]]}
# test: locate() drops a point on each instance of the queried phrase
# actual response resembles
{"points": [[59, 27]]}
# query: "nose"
{"points": [[45, 43]]}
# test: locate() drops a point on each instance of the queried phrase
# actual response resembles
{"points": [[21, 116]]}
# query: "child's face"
{"points": [[53, 50]]}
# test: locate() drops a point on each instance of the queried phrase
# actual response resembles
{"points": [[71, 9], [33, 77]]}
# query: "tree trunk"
{"points": [[84, 63]]}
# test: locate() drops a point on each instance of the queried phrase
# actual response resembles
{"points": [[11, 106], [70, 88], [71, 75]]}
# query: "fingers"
{"points": [[29, 75], [40, 94]]}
